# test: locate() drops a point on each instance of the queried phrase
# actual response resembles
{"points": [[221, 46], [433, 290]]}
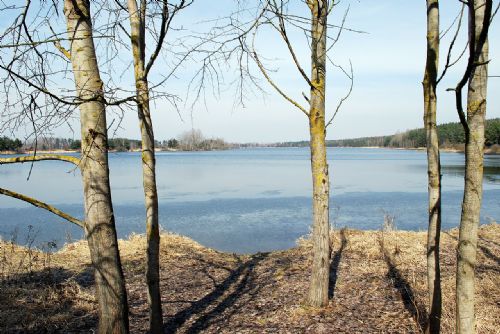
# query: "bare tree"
{"points": [[476, 75], [191, 140], [138, 26], [430, 83], [433, 167], [31, 86], [275, 15], [320, 275], [100, 228]]}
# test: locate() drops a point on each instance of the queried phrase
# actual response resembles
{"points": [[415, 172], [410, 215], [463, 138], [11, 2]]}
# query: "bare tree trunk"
{"points": [[137, 23], [99, 219], [318, 291], [433, 168], [479, 16]]}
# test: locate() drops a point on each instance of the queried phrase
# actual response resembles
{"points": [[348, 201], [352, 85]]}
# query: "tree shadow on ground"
{"points": [[417, 310], [334, 265], [209, 309]]}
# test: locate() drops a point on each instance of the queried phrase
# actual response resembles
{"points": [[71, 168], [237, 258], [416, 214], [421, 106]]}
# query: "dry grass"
{"points": [[378, 285], [411, 262]]}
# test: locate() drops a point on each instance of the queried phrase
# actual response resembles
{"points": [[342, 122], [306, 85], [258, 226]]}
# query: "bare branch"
{"points": [[166, 21], [306, 98], [340, 28], [76, 100], [47, 41], [283, 33], [342, 100], [57, 44], [43, 157], [42, 205], [271, 82], [475, 49], [452, 43]]}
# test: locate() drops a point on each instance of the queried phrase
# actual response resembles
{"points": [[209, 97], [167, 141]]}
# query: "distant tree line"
{"points": [[49, 143], [450, 135], [7, 144], [192, 140]]}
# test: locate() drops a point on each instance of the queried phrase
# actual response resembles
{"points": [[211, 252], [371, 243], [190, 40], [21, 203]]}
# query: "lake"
{"points": [[245, 200]]}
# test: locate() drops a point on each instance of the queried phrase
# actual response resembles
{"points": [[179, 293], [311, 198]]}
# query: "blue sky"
{"points": [[388, 64]]}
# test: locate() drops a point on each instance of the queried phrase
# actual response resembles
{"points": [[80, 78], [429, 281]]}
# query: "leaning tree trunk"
{"points": [[148, 169], [99, 219], [318, 291], [479, 17], [433, 168]]}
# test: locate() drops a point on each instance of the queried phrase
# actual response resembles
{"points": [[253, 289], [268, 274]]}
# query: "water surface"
{"points": [[246, 200]]}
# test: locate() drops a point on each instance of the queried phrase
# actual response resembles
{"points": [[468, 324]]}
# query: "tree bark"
{"points": [[99, 219], [479, 16], [148, 169], [433, 168], [318, 291]]}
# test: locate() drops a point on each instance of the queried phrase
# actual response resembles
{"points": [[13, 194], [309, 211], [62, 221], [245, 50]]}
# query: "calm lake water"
{"points": [[246, 200]]}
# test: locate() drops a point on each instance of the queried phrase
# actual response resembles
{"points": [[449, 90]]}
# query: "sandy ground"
{"points": [[378, 285]]}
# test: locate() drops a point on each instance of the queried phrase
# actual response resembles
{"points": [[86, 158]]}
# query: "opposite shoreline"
{"points": [[492, 150]]}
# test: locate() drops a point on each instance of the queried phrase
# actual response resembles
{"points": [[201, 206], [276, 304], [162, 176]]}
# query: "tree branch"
{"points": [[42, 205], [343, 99], [475, 49], [271, 82], [58, 45], [284, 35], [66, 158], [76, 100], [452, 43]]}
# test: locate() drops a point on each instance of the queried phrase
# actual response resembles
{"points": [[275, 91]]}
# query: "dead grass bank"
{"points": [[378, 285]]}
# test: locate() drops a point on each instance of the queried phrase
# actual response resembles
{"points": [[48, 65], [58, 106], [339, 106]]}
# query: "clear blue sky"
{"points": [[388, 64]]}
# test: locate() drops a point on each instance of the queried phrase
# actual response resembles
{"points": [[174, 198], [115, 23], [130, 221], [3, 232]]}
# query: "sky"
{"points": [[388, 63]]}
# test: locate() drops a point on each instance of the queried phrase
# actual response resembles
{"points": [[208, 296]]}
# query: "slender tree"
{"points": [[315, 27], [138, 16], [236, 39], [433, 167], [137, 25], [320, 275], [473, 121]]}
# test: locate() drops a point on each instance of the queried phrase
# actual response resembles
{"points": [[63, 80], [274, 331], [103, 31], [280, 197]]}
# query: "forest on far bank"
{"points": [[451, 135], [191, 140]]}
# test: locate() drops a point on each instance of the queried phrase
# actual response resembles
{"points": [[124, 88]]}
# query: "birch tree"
{"points": [[430, 83], [89, 98], [138, 25], [472, 120], [100, 223], [433, 167]]}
